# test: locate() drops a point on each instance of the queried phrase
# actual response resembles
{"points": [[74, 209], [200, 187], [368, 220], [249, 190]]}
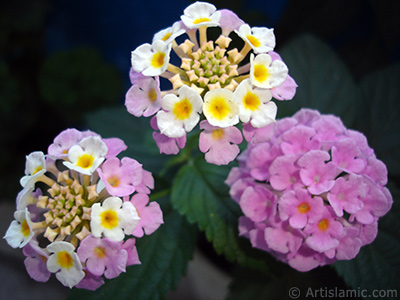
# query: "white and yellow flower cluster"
{"points": [[214, 82], [75, 216]]}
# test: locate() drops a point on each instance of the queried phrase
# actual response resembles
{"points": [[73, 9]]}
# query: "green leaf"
{"points": [[381, 91], [136, 133], [377, 266], [199, 193], [164, 256], [324, 82]]}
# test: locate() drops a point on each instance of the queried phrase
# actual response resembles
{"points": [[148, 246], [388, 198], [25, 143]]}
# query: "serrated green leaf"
{"points": [[324, 82], [199, 193], [377, 266], [381, 91], [164, 256]]}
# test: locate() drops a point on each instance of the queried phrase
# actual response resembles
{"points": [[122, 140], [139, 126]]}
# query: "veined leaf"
{"points": [[199, 193], [324, 82], [377, 266]]}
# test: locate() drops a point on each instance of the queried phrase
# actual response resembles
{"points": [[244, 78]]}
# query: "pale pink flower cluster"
{"points": [[311, 191], [81, 209], [214, 84]]}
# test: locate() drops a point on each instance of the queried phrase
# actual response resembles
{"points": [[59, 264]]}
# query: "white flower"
{"points": [[200, 14], [65, 262], [169, 34], [20, 231], [87, 156], [260, 39], [181, 114], [254, 104], [151, 60], [112, 219], [265, 74], [35, 167], [220, 109]]}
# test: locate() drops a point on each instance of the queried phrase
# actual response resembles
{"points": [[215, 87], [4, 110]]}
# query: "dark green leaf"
{"points": [[377, 266], [324, 82], [381, 91], [164, 256], [199, 193]]}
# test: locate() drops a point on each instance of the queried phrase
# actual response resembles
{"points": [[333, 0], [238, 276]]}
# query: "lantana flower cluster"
{"points": [[81, 209], [311, 191], [212, 84]]}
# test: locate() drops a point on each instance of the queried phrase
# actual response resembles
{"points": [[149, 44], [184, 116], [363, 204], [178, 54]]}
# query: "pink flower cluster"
{"points": [[81, 209], [311, 191]]}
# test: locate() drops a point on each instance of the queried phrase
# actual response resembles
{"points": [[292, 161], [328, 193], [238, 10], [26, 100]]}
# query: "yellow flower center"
{"points": [[157, 60], [201, 20], [100, 252], [219, 108], [152, 95], [323, 224], [166, 36], [85, 161], [254, 41], [65, 260], [251, 101], [114, 181], [260, 73], [218, 134], [37, 169], [182, 109], [25, 228], [109, 219], [303, 208]]}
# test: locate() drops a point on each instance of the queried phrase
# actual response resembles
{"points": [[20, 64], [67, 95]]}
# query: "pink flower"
{"points": [[115, 146], [300, 208], [299, 139], [317, 175], [150, 214], [346, 194], [147, 183], [121, 177], [258, 203], [287, 89], [219, 144], [260, 159], [133, 257], [311, 191], [144, 97], [166, 144], [90, 282], [102, 255], [376, 203], [346, 156], [65, 140], [229, 21], [324, 234], [284, 173], [281, 237], [36, 262]]}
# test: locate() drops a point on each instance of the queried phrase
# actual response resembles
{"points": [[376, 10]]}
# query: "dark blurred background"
{"points": [[62, 60]]}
